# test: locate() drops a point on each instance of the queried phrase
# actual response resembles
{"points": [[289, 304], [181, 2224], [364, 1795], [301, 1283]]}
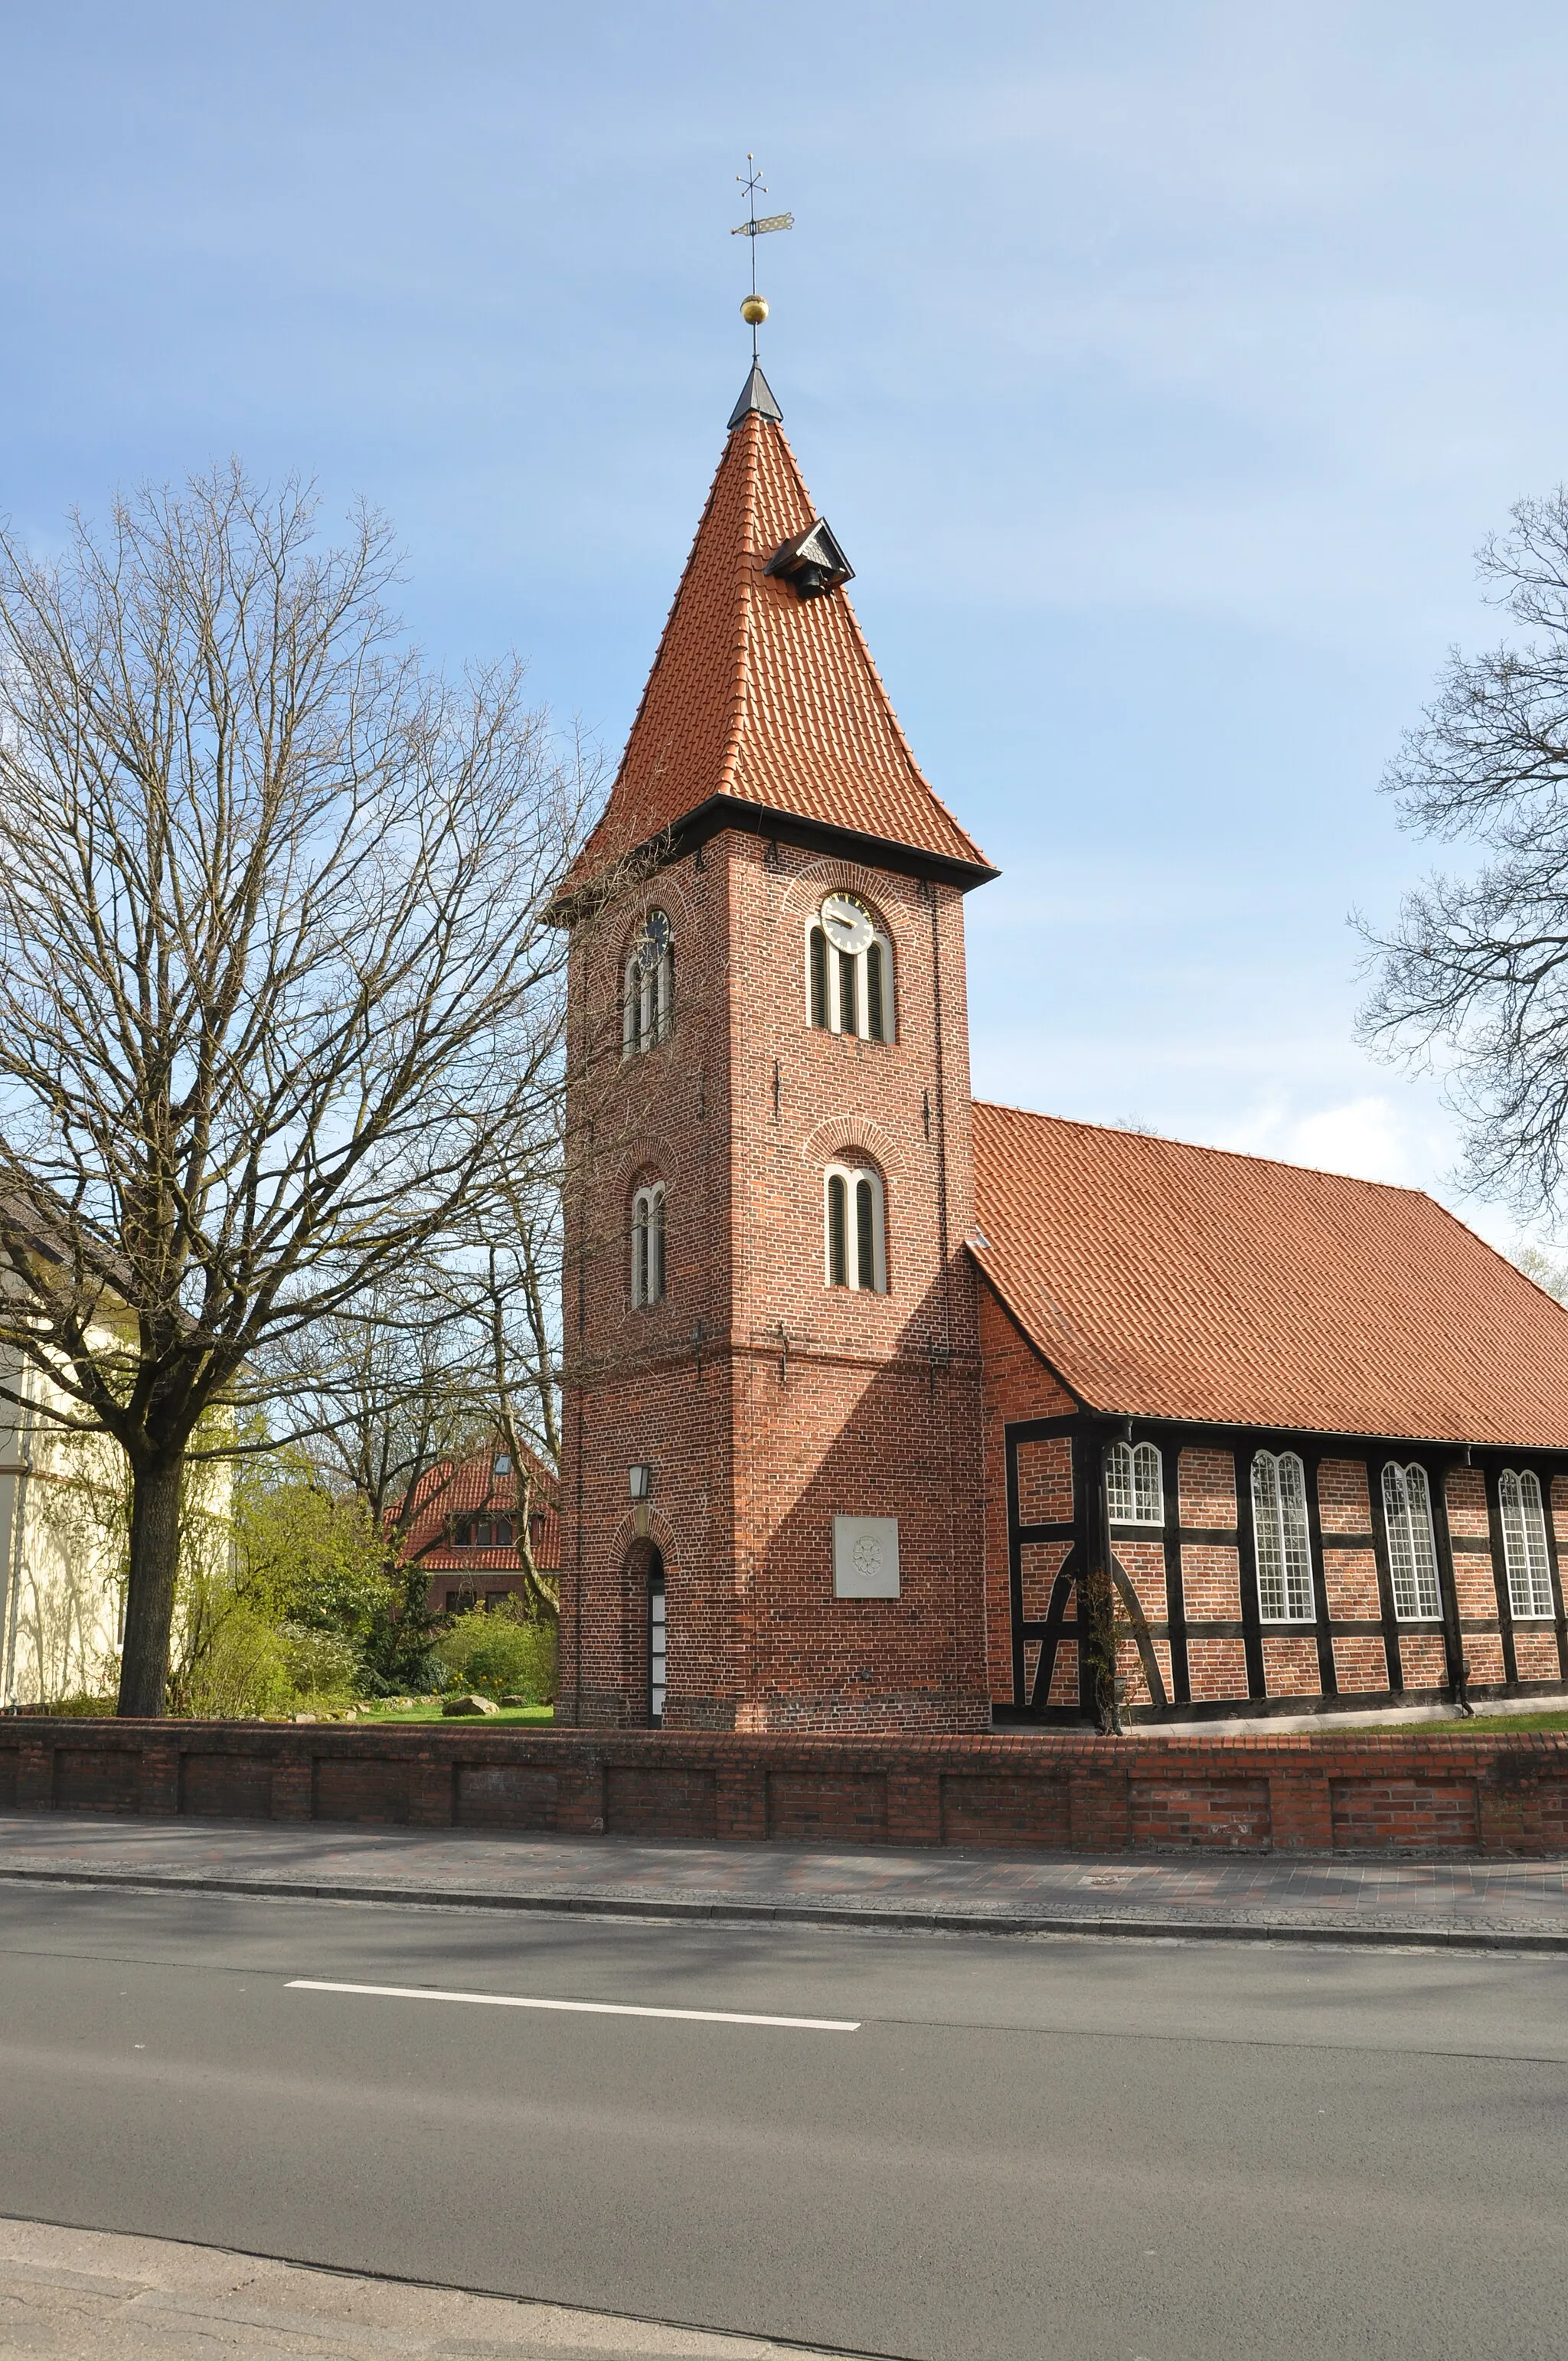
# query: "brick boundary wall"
{"points": [[1406, 1792]]}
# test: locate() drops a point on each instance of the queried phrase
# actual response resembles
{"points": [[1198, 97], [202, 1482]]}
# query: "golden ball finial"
{"points": [[754, 310]]}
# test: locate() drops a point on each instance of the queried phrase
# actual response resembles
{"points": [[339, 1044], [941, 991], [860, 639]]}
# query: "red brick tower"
{"points": [[770, 1495]]}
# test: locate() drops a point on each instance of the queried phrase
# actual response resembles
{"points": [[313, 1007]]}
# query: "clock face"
{"points": [[656, 935], [846, 925]]}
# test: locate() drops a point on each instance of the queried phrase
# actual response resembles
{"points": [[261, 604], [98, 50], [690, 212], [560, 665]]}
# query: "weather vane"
{"points": [[755, 309]]}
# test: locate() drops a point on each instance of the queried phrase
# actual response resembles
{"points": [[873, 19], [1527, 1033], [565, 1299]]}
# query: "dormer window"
{"points": [[849, 964], [483, 1533], [649, 987], [812, 564]]}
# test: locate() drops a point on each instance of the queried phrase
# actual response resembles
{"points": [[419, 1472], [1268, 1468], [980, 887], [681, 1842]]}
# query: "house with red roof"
{"points": [[888, 1410], [467, 1529]]}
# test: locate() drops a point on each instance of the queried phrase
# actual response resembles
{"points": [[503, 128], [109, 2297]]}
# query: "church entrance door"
{"points": [[655, 1639]]}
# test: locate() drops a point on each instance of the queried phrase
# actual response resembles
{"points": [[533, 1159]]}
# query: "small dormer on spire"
{"points": [[812, 563]]}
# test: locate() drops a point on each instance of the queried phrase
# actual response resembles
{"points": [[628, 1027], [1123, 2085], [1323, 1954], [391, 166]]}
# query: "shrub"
{"points": [[502, 1648], [241, 1674], [319, 1663]]}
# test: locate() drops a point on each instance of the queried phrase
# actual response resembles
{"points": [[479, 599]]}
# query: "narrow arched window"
{"points": [[1412, 1554], [1524, 1545], [848, 993], [1281, 1538], [1135, 1485], [838, 1230], [648, 989], [818, 959], [850, 971], [876, 1003], [856, 1234], [865, 1233], [648, 1246]]}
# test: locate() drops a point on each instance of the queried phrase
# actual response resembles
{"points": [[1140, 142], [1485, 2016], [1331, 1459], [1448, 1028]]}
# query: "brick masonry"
{"points": [[764, 1400], [1419, 1791]]}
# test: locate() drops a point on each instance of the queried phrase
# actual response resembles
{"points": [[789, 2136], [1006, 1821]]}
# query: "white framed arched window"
{"points": [[855, 1228], [848, 970], [647, 991], [1135, 1485], [1281, 1538], [648, 1246], [1524, 1545], [1412, 1552]]}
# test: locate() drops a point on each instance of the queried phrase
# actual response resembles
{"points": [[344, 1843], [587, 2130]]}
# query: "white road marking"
{"points": [[579, 2008]]}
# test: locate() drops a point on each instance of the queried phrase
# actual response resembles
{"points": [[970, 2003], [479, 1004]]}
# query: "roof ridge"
{"points": [[1233, 1155], [751, 427]]}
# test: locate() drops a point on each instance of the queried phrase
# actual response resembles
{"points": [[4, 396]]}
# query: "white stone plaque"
{"points": [[865, 1557]]}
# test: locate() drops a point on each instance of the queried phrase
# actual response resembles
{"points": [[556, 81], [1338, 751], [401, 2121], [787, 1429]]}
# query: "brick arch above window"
{"points": [[808, 886], [657, 1529], [652, 1158], [842, 1134]]}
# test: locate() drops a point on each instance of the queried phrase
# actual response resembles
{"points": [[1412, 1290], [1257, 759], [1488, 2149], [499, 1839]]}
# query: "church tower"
{"points": [[772, 1485]]}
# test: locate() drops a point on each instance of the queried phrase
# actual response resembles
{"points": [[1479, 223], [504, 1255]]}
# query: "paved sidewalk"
{"points": [[1506, 1905], [92, 2295]]}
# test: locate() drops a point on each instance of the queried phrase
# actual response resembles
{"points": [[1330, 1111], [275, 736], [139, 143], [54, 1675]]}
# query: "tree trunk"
{"points": [[150, 1599]]}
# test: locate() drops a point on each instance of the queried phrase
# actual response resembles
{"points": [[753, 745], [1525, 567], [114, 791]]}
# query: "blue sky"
{"points": [[1159, 367]]}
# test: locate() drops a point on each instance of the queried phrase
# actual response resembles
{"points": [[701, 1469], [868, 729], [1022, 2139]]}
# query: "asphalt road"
{"points": [[1025, 2148]]}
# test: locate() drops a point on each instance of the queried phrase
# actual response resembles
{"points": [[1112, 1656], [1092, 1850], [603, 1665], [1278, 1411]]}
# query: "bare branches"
{"points": [[1475, 969], [279, 977]]}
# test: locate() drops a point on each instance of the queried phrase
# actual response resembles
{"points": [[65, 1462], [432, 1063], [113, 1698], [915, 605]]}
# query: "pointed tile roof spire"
{"points": [[763, 709], [756, 394]]}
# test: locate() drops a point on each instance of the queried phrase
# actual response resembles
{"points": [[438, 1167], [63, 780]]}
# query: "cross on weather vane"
{"points": [[755, 309]]}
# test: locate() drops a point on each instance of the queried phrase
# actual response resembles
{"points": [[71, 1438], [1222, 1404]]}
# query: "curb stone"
{"points": [[1403, 1934]]}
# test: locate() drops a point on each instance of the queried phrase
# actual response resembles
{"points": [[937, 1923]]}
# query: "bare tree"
{"points": [[279, 970], [394, 1391], [1476, 971]]}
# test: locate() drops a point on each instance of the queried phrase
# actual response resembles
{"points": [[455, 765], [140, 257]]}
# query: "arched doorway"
{"points": [[644, 1577]]}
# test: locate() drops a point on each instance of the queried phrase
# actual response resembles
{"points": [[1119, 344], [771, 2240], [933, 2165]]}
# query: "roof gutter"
{"points": [[717, 813]]}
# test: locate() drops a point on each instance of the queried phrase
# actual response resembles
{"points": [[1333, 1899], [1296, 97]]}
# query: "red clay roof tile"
{"points": [[1162, 1280], [447, 1491], [762, 696]]}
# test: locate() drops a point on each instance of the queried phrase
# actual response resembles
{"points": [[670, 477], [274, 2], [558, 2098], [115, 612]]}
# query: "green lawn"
{"points": [[1500, 1721]]}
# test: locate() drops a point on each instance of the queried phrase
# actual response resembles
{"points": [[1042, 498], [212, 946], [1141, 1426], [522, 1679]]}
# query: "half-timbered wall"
{"points": [[1199, 1643]]}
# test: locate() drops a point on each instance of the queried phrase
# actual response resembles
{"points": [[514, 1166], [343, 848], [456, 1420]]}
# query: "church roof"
{"points": [[1161, 1281], [763, 692]]}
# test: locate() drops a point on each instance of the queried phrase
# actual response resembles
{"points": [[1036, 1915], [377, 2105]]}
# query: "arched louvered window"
{"points": [[1135, 1485], [1524, 1544], [821, 1002], [1412, 1552], [648, 988], [648, 1246], [856, 1232], [1281, 1538], [849, 962]]}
